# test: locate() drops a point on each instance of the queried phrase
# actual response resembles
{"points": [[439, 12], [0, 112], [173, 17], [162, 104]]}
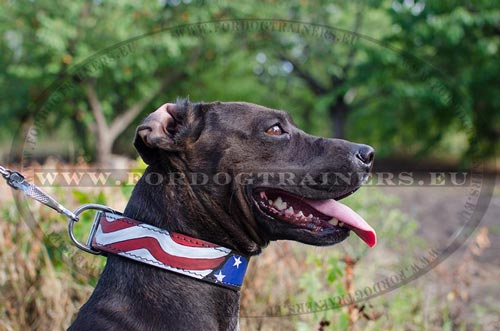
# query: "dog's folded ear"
{"points": [[157, 132]]}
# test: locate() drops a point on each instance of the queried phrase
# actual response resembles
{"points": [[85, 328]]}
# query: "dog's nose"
{"points": [[365, 154]]}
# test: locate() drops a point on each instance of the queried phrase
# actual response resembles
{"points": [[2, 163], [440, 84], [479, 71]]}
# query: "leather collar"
{"points": [[195, 258]]}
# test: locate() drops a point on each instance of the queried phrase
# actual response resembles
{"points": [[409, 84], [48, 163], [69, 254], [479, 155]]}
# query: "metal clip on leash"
{"points": [[17, 181]]}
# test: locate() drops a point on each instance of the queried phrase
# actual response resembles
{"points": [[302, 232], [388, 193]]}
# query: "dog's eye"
{"points": [[275, 130]]}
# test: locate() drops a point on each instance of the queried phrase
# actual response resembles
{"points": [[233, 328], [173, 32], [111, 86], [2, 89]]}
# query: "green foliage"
{"points": [[326, 272], [449, 88], [84, 197], [428, 74]]}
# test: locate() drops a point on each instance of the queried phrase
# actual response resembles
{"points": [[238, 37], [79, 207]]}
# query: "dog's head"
{"points": [[252, 165]]}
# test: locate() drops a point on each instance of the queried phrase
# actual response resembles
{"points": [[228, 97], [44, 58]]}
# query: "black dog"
{"points": [[283, 184]]}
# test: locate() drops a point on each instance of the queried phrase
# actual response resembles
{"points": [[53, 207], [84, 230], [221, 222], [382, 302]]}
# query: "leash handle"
{"points": [[17, 181]]}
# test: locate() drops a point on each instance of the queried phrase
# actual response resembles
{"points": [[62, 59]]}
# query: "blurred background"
{"points": [[417, 80]]}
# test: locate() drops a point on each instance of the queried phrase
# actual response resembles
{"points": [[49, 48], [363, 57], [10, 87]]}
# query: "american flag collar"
{"points": [[116, 234]]}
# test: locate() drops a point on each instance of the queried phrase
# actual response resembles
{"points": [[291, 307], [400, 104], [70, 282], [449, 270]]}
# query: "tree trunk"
{"points": [[338, 112], [104, 148], [107, 134], [80, 131]]}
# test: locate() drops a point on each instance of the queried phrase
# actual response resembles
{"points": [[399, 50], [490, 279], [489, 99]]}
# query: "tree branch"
{"points": [[362, 102], [123, 121], [316, 86], [96, 107]]}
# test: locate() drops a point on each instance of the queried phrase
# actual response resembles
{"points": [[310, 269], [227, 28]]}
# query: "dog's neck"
{"points": [[175, 252], [179, 208], [133, 292]]}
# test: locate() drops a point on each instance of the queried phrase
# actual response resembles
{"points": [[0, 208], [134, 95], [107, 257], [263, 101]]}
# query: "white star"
{"points": [[220, 276], [237, 261]]}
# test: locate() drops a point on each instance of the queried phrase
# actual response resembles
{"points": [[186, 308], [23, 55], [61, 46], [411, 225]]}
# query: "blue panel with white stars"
{"points": [[232, 272]]}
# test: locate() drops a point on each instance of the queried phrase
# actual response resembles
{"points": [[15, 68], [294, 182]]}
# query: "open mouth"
{"points": [[314, 215]]}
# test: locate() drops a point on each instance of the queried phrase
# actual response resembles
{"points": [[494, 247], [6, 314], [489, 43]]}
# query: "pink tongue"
{"points": [[345, 214]]}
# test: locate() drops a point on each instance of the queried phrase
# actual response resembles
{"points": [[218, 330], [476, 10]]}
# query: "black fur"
{"points": [[210, 138]]}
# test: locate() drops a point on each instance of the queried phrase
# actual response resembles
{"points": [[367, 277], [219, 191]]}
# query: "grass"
{"points": [[44, 279]]}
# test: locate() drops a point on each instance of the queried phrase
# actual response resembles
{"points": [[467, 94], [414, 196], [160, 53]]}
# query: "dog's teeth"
{"points": [[310, 216], [270, 202], [289, 210], [334, 221], [300, 214], [280, 204], [341, 224], [278, 201]]}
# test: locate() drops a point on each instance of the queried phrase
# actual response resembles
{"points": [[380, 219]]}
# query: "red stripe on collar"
{"points": [[196, 258]]}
